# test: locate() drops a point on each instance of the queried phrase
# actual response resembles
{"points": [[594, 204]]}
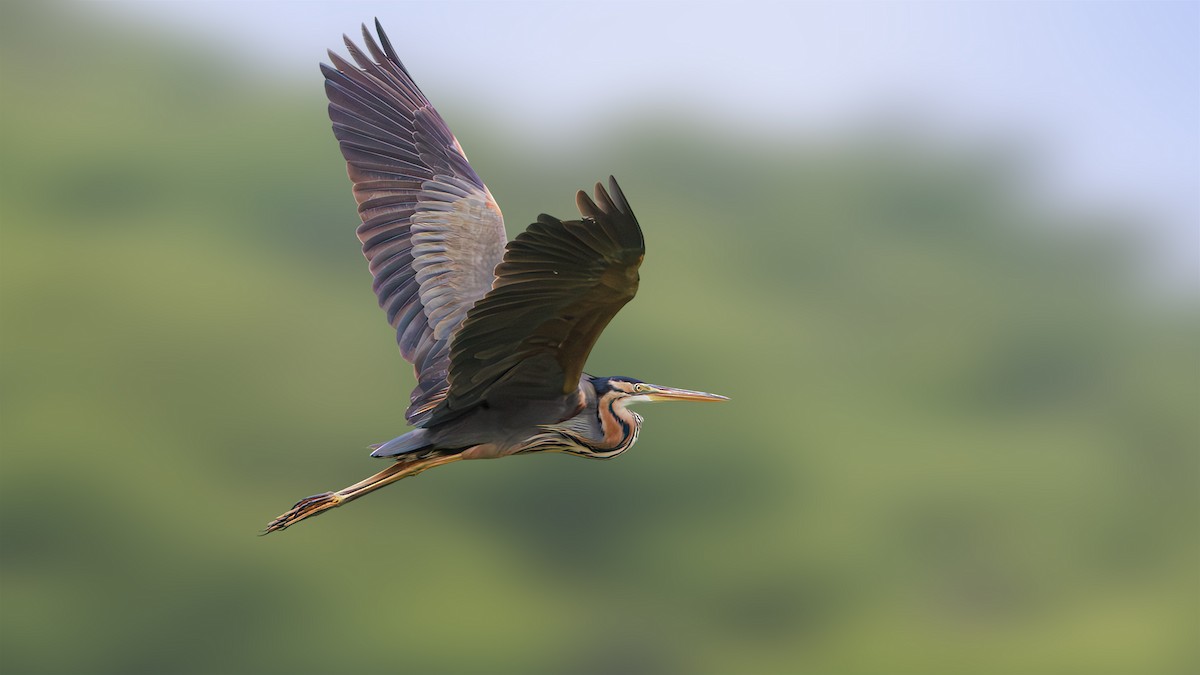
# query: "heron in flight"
{"points": [[498, 334]]}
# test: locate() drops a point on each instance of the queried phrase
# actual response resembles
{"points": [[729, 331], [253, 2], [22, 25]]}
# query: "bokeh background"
{"points": [[943, 258]]}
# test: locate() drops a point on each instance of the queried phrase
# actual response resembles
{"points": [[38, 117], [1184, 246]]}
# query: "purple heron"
{"points": [[497, 332]]}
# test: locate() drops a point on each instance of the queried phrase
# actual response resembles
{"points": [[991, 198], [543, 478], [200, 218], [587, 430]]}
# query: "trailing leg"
{"points": [[317, 504]]}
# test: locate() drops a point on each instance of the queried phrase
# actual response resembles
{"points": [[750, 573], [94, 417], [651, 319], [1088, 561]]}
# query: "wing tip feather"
{"points": [[386, 43], [617, 195], [605, 201], [585, 205]]}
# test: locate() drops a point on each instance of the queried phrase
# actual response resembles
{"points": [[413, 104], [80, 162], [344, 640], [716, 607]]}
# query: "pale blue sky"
{"points": [[1107, 93]]}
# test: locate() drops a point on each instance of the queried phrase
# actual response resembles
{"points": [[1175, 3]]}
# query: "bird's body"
{"points": [[573, 425], [498, 332]]}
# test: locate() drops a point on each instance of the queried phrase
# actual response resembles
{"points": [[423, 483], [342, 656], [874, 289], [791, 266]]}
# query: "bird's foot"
{"points": [[305, 508]]}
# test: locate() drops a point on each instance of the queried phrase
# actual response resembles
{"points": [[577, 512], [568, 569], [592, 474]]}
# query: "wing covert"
{"points": [[431, 231]]}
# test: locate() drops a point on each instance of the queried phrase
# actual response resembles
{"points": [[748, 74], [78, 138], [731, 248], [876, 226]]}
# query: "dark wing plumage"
{"points": [[430, 229], [560, 284]]}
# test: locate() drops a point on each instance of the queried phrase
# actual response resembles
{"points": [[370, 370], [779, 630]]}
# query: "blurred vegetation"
{"points": [[963, 438]]}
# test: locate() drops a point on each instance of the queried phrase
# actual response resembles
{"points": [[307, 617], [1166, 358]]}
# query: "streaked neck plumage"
{"points": [[602, 429]]}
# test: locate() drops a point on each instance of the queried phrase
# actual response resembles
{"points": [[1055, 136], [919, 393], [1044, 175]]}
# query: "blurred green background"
{"points": [[963, 435]]}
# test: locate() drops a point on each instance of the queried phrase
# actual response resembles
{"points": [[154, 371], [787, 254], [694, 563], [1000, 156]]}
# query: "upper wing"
{"points": [[430, 229], [558, 287]]}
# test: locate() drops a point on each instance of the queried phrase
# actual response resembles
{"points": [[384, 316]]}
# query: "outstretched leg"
{"points": [[311, 506]]}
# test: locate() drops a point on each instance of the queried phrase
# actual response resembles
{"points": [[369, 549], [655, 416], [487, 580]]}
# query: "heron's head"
{"points": [[629, 390]]}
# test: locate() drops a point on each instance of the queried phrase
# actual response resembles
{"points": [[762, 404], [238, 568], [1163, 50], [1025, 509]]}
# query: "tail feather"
{"points": [[404, 467], [417, 439]]}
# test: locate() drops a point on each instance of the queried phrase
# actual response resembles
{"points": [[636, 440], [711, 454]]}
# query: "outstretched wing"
{"points": [[430, 229], [560, 284]]}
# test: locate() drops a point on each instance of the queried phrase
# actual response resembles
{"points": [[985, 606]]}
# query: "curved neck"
{"points": [[618, 424], [604, 428]]}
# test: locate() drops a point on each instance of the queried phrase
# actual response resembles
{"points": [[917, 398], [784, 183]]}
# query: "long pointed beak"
{"points": [[658, 393]]}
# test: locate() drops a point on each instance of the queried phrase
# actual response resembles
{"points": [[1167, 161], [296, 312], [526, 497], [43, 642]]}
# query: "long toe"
{"points": [[305, 508]]}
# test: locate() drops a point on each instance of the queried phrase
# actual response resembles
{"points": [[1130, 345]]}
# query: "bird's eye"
{"points": [[641, 387]]}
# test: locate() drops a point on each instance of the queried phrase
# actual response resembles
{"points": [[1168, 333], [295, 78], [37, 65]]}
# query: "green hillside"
{"points": [[962, 436]]}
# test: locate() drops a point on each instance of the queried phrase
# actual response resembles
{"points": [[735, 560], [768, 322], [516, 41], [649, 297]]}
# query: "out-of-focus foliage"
{"points": [[960, 439]]}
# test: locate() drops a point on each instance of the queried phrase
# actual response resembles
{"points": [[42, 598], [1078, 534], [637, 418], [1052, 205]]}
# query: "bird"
{"points": [[497, 331]]}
